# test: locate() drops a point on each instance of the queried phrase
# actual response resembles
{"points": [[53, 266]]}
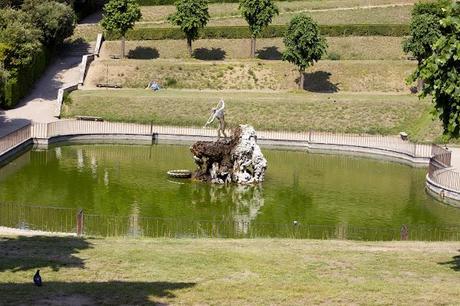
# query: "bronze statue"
{"points": [[218, 112]]}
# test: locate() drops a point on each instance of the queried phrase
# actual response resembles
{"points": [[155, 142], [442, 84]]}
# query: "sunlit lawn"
{"points": [[343, 112], [221, 272]]}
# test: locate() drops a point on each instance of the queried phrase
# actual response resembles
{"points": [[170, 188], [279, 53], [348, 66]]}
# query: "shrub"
{"points": [[20, 79], [333, 56], [171, 2], [236, 32], [170, 82]]}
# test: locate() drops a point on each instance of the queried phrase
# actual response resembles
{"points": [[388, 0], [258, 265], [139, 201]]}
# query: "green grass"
{"points": [[87, 33], [223, 272], [358, 113], [324, 76], [348, 48]]}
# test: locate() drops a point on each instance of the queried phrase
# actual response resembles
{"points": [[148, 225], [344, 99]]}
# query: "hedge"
{"points": [[20, 80], [147, 33], [171, 2]]}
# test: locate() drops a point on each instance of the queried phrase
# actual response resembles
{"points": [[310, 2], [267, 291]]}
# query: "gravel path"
{"points": [[40, 105]]}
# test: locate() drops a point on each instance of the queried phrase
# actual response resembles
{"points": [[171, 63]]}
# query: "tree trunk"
{"points": [[419, 81], [253, 47], [302, 78], [189, 46], [123, 47], [420, 84]]}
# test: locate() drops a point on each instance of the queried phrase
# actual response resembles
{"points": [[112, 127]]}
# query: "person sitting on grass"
{"points": [[153, 85]]}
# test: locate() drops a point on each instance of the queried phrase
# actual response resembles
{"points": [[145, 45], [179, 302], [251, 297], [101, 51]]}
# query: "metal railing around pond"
{"points": [[66, 220]]}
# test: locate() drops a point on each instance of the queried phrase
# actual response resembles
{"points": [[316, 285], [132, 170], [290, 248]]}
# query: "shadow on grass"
{"points": [[31, 253], [89, 293], [269, 53], [143, 53], [206, 54], [318, 81], [454, 264]]}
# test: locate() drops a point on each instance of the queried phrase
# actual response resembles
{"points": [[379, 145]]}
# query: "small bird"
{"points": [[37, 279]]}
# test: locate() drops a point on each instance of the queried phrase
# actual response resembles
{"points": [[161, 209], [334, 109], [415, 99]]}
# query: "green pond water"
{"points": [[124, 190]]}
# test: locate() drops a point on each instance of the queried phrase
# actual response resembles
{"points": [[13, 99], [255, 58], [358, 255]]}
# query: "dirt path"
{"points": [[40, 105]]}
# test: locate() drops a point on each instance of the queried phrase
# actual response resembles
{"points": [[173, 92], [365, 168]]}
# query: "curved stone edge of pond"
{"points": [[442, 193], [435, 189]]}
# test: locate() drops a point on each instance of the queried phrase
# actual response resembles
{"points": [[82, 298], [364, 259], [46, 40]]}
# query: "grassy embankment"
{"points": [[227, 14], [339, 48], [220, 272], [343, 112], [324, 77]]}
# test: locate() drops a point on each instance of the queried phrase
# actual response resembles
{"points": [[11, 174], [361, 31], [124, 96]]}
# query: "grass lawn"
{"points": [[344, 48], [325, 12], [227, 14], [324, 76], [351, 112], [222, 272]]}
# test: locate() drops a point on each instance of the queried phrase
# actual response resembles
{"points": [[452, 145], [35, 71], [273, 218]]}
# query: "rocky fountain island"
{"points": [[237, 159]]}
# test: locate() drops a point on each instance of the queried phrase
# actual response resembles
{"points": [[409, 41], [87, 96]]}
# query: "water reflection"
{"points": [[134, 225], [130, 182], [246, 200]]}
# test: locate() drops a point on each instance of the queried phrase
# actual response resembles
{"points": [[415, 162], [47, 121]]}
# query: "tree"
{"points": [[10, 3], [304, 44], [119, 16], [425, 29], [441, 72], [258, 14], [57, 21], [19, 38], [190, 16]]}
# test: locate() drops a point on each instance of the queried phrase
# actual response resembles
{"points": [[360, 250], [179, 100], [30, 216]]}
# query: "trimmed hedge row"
{"points": [[237, 32], [171, 2], [20, 80]]}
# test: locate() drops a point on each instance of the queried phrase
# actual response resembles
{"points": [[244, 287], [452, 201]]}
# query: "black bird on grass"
{"points": [[37, 279]]}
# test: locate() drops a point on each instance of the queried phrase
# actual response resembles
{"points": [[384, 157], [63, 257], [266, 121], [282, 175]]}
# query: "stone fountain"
{"points": [[237, 159]]}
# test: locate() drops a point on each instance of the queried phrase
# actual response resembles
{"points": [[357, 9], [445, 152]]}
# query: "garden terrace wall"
{"points": [[237, 32]]}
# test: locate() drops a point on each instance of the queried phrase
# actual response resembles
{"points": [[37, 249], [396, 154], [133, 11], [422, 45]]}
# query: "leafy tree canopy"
{"points": [[120, 15], [303, 41], [425, 28], [20, 39], [258, 14], [431, 8], [190, 16], [56, 20], [441, 72]]}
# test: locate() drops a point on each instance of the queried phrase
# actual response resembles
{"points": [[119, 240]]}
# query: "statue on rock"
{"points": [[235, 160], [218, 112]]}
